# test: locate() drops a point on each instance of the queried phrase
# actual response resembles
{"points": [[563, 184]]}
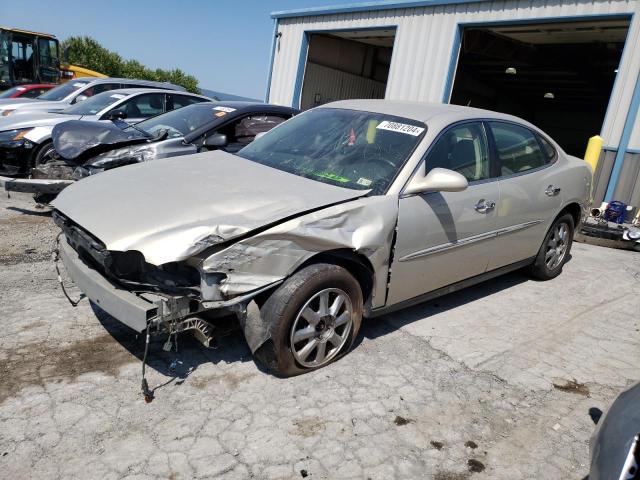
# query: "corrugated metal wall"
{"points": [[333, 84], [425, 39]]}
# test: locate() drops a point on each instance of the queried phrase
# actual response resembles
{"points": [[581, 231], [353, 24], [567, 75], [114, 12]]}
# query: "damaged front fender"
{"points": [[365, 226]]}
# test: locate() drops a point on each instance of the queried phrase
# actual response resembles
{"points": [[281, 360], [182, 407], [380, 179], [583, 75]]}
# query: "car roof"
{"points": [[132, 91], [97, 80], [37, 85], [267, 107], [423, 111]]}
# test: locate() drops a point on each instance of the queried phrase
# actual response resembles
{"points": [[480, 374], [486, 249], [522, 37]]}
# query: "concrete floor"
{"points": [[458, 388]]}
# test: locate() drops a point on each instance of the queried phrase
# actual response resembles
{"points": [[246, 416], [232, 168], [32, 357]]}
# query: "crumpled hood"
{"points": [[172, 209], [75, 138]]}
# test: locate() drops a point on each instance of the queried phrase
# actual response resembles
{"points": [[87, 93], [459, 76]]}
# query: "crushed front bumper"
{"points": [[131, 309], [31, 185]]}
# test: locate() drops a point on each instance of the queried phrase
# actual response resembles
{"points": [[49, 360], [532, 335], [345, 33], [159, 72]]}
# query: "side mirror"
{"points": [[437, 180], [217, 140], [80, 98], [116, 115]]}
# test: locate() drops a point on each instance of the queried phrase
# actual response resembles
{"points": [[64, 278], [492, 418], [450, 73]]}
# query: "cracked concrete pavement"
{"points": [[458, 388]]}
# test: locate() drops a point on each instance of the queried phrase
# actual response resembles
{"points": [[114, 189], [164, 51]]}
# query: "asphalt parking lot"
{"points": [[492, 382]]}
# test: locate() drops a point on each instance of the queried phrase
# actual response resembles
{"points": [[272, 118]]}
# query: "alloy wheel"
{"points": [[321, 327], [557, 246]]}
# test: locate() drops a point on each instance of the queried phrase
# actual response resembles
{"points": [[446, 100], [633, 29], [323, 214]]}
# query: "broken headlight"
{"points": [[15, 135], [113, 159], [130, 267]]}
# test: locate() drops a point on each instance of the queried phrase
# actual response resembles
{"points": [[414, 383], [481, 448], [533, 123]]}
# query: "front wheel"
{"points": [[313, 319], [45, 153], [555, 249]]}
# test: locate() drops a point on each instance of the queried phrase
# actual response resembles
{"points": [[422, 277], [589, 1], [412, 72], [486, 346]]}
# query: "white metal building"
{"points": [[570, 67]]}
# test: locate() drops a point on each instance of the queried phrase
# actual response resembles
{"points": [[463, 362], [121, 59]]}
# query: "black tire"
{"points": [[540, 269], [283, 306], [42, 154]]}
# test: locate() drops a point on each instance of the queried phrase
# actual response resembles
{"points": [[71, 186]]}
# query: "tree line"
{"points": [[88, 53]]}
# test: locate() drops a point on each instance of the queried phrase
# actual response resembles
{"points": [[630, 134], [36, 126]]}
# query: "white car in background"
{"points": [[75, 91]]}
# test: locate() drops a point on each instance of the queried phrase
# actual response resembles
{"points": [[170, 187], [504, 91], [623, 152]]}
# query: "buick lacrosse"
{"points": [[347, 211]]}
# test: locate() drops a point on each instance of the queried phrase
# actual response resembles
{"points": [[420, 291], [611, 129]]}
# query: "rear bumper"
{"points": [[34, 185], [126, 307]]}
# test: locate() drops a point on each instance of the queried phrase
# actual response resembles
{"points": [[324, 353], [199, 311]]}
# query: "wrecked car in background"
{"points": [[85, 148], [349, 210], [615, 445]]}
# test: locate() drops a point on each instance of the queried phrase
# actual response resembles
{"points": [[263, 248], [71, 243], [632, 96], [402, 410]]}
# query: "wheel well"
{"points": [[576, 212], [358, 265]]}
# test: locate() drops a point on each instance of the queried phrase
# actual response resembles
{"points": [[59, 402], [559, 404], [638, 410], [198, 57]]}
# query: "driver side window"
{"points": [[463, 149]]}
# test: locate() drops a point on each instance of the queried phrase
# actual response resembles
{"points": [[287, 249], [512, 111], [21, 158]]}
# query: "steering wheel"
{"points": [[380, 158]]}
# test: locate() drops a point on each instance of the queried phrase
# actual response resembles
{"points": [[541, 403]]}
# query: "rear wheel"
{"points": [[555, 249], [313, 319]]}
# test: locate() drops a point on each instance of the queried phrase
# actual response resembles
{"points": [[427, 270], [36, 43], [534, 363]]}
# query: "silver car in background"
{"points": [[349, 210], [74, 91]]}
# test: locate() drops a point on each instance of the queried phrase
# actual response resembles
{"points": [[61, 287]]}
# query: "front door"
{"points": [[446, 237]]}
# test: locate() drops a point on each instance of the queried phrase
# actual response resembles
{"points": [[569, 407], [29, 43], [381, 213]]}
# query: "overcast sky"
{"points": [[225, 44]]}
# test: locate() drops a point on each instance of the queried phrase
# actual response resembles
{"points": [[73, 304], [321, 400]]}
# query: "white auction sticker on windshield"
{"points": [[400, 127], [225, 109], [118, 96]]}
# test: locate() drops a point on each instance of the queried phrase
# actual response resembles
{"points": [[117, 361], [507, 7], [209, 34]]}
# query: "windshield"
{"points": [[62, 91], [11, 91], [347, 148], [180, 122], [94, 105]]}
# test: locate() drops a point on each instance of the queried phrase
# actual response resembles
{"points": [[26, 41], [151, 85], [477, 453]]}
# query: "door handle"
{"points": [[484, 206], [552, 191]]}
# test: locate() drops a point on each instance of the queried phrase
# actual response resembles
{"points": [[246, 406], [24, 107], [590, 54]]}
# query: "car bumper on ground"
{"points": [[30, 185]]}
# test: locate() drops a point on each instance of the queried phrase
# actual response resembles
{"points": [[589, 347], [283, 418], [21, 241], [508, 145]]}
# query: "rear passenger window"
{"points": [[547, 148], [180, 101], [517, 147], [463, 149]]}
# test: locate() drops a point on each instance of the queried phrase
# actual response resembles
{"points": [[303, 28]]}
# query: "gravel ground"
{"points": [[492, 382]]}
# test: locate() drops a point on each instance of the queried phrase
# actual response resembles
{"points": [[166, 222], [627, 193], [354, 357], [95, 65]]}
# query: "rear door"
{"points": [[446, 237], [529, 191]]}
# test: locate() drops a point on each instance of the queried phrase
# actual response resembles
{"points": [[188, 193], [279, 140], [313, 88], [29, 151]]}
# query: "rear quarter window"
{"points": [[517, 148]]}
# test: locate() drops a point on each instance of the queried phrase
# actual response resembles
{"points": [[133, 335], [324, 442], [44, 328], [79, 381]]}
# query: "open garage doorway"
{"points": [[346, 64], [558, 76]]}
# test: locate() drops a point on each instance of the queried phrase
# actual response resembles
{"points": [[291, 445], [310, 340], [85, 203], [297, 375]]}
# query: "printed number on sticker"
{"points": [[225, 109], [400, 127]]}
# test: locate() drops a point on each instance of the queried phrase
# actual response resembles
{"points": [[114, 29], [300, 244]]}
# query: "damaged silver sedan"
{"points": [[349, 210]]}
